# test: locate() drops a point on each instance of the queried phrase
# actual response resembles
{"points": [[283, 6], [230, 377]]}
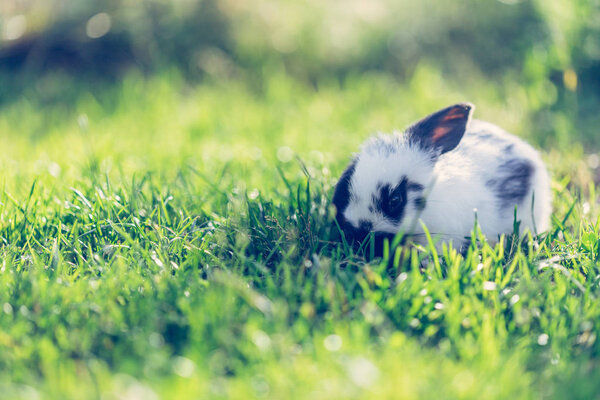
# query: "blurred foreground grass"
{"points": [[169, 240]]}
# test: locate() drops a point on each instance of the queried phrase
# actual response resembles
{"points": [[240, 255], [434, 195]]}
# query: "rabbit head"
{"points": [[384, 187]]}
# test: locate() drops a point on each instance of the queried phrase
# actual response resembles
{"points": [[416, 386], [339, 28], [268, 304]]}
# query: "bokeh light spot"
{"points": [[98, 25], [332, 343], [15, 27], [183, 367], [363, 372], [285, 154]]}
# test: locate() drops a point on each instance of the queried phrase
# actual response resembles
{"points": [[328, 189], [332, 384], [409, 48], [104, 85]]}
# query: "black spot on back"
{"points": [[486, 136], [512, 183], [482, 135]]}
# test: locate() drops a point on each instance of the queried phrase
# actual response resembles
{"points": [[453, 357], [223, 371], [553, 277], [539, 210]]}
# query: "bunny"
{"points": [[447, 172]]}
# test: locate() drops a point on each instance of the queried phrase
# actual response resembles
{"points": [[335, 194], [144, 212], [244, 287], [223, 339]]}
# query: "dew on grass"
{"points": [[83, 122], [156, 339], [14, 27], [7, 308], [54, 169], [253, 194], [183, 366], [24, 311], [402, 277], [156, 260], [372, 313], [489, 285], [285, 154], [542, 339], [98, 25], [514, 300], [261, 340], [587, 326], [332, 342], [262, 303], [414, 323], [587, 338], [362, 372], [128, 388], [585, 208]]}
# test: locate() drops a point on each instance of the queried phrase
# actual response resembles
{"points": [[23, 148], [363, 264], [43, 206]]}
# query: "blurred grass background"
{"points": [[149, 174], [539, 60]]}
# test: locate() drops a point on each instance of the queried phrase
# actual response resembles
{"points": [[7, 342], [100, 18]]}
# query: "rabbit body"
{"points": [[445, 172]]}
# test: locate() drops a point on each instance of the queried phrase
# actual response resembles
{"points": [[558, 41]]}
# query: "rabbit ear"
{"points": [[442, 130]]}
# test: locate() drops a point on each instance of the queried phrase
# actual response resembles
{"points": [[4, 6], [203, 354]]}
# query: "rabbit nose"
{"points": [[364, 225], [364, 228], [358, 233]]}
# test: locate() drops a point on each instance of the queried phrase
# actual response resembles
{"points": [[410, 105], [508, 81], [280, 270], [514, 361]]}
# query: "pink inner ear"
{"points": [[440, 132], [455, 113]]}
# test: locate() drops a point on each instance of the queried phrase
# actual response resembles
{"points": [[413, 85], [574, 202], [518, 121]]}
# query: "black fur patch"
{"points": [[354, 234], [365, 225], [420, 203], [513, 182], [391, 201], [341, 195], [415, 186], [486, 136]]}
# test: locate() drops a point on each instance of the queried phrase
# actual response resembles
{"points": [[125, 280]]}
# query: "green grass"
{"points": [[161, 240]]}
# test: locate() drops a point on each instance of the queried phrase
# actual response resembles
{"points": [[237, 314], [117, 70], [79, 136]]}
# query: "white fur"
{"points": [[455, 186]]}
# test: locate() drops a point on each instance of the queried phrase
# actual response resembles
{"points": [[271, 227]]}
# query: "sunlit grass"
{"points": [[167, 240]]}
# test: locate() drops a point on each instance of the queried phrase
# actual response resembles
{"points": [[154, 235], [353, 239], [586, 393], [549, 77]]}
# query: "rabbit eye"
{"points": [[396, 202], [391, 201]]}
